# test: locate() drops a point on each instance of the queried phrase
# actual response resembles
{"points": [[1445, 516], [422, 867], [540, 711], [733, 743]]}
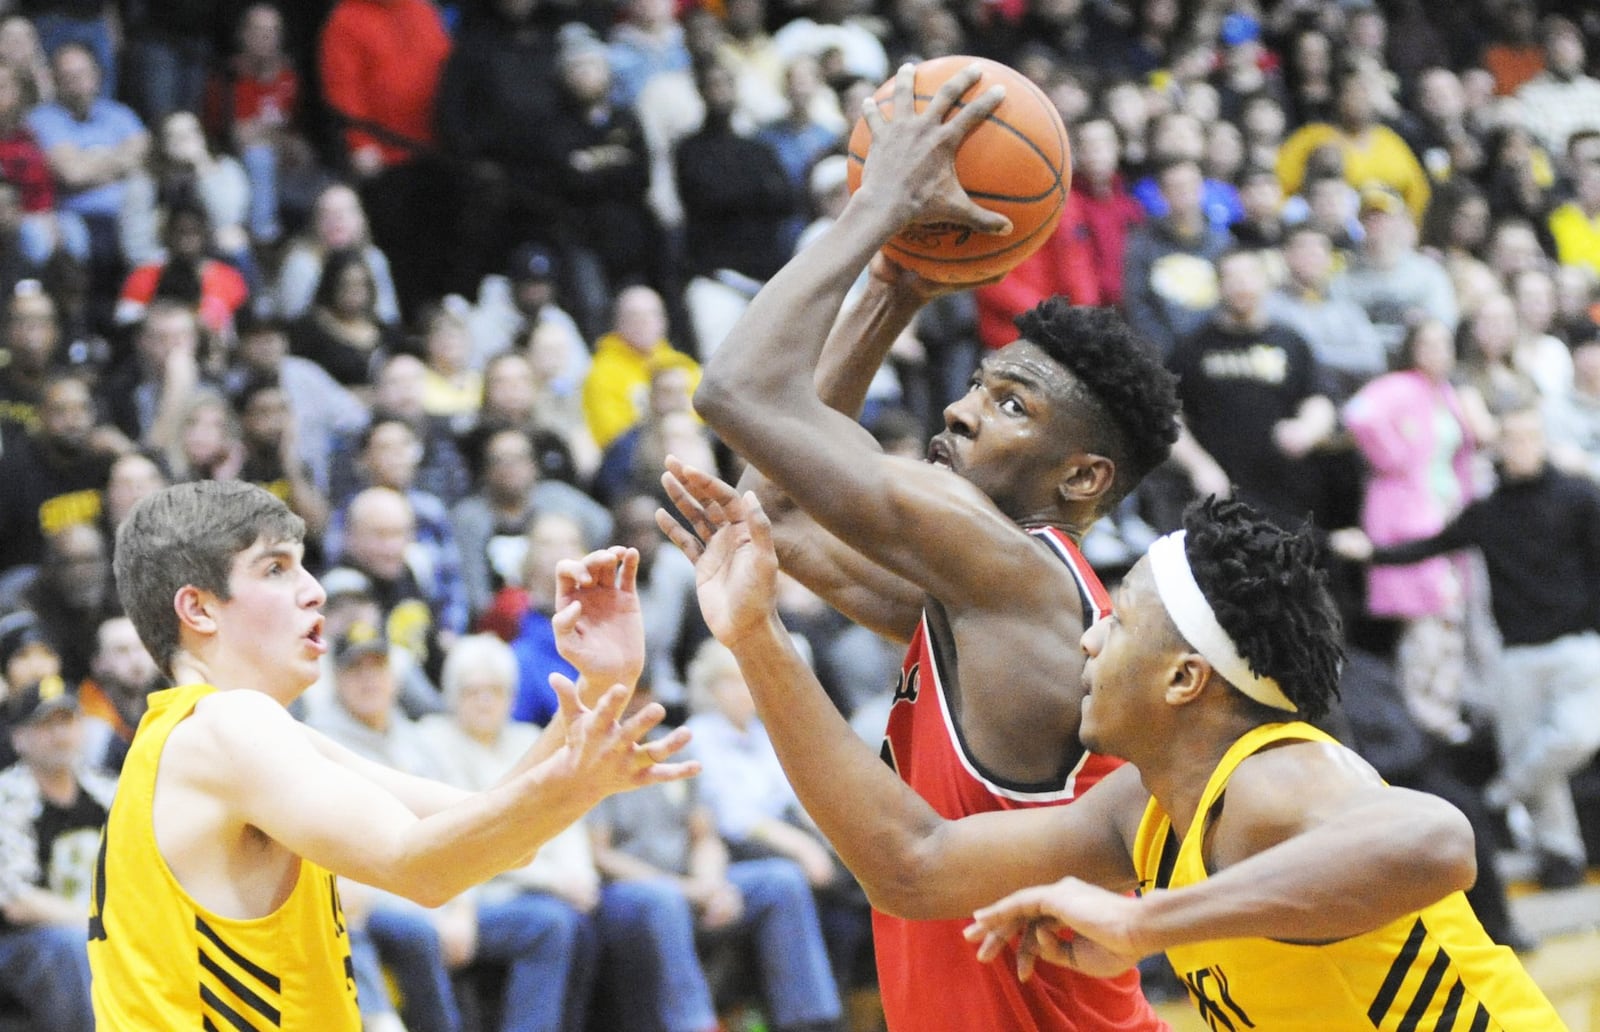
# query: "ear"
{"points": [[1190, 675], [1087, 477], [195, 609]]}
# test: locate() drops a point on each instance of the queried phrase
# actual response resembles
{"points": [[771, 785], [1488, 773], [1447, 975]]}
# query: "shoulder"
{"points": [[1285, 788], [230, 737]]}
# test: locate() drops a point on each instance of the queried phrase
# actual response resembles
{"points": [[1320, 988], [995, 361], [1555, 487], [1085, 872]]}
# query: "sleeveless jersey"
{"points": [[928, 974], [160, 960], [1432, 969]]}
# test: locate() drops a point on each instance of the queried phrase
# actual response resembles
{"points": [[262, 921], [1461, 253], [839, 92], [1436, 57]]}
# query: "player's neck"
{"points": [[214, 667], [1175, 769]]}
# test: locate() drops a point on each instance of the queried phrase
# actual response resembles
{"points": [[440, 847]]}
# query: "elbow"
{"points": [[1456, 849], [714, 397], [906, 882]]}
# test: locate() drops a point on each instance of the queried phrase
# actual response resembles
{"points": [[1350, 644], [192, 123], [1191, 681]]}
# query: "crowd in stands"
{"points": [[440, 276]]}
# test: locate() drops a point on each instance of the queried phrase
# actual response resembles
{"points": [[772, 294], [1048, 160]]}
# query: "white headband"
{"points": [[1196, 621]]}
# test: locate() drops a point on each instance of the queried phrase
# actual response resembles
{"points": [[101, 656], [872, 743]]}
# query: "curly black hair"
{"points": [[1129, 398], [1271, 597]]}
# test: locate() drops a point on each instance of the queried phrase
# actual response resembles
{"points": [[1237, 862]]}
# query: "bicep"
{"points": [[423, 797]]}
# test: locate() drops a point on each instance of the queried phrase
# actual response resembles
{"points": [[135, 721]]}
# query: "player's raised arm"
{"points": [[237, 743], [759, 391], [911, 861]]}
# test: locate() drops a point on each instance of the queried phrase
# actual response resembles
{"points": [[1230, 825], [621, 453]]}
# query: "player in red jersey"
{"points": [[970, 557]]}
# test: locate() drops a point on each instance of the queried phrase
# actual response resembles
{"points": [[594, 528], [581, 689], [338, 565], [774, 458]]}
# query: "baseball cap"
{"points": [[1377, 197], [18, 631], [39, 700], [532, 262], [1240, 28], [361, 640], [342, 580]]}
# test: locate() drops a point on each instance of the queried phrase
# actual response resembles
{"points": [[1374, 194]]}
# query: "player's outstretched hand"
{"points": [[1070, 923], [604, 754], [597, 623], [911, 164], [729, 540]]}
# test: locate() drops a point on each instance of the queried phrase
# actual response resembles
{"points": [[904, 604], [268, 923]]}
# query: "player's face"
{"points": [[273, 621], [1127, 662], [1007, 434]]}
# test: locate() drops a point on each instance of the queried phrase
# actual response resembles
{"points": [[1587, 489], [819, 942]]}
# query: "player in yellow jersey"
{"points": [[214, 901], [1309, 896]]}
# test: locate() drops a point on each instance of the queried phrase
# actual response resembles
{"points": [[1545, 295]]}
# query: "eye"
{"points": [[973, 385], [1012, 405]]}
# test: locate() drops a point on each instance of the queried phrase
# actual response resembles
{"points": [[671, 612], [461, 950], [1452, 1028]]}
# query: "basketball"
{"points": [[1016, 162]]}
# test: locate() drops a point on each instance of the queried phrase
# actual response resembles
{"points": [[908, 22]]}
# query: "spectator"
{"points": [[33, 342], [1575, 225], [646, 42], [53, 477], [1513, 54], [271, 456], [624, 360], [1341, 336], [1486, 347], [552, 537], [256, 105], [20, 48], [1443, 138], [1393, 282], [1538, 353], [93, 145], [452, 388], [183, 273], [442, 470], [54, 806], [1562, 99], [492, 523], [170, 48], [1574, 419], [380, 532], [1170, 284], [1260, 226], [381, 61], [608, 234], [92, 26], [208, 446], [1538, 534], [512, 306], [25, 166], [144, 396], [389, 452], [338, 223], [1372, 152], [1179, 136], [72, 595], [26, 657], [737, 201], [343, 332], [1109, 211], [802, 137], [668, 842], [121, 677], [671, 391], [322, 410], [1063, 266], [1521, 174], [1418, 438], [134, 477], [183, 172], [1254, 402], [511, 401]]}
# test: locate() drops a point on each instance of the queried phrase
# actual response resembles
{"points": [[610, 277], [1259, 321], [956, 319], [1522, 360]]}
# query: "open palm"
{"points": [[598, 626], [729, 540]]}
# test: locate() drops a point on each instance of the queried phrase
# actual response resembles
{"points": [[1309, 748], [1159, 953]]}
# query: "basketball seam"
{"points": [[962, 259], [1053, 166]]}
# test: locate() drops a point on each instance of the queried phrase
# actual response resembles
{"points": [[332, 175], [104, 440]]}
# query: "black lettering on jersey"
{"points": [[97, 919], [1209, 989], [905, 690], [886, 754], [334, 905]]}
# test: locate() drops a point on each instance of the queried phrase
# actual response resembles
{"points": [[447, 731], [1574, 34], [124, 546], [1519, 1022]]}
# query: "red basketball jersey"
{"points": [[929, 976]]}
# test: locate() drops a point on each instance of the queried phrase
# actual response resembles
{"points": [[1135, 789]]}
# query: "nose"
{"points": [[1094, 637], [314, 594], [960, 416]]}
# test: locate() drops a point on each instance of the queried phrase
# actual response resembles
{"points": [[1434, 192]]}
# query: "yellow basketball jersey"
{"points": [[162, 961], [1433, 969]]}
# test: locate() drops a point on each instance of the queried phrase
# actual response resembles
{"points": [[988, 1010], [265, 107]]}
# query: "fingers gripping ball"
{"points": [[1017, 162]]}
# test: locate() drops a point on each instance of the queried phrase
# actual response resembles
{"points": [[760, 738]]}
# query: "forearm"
{"points": [[35, 906], [836, 776], [441, 856], [1308, 890], [860, 341]]}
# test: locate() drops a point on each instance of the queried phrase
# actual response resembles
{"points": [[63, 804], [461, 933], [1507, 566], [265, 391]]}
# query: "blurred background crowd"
{"points": [[441, 276]]}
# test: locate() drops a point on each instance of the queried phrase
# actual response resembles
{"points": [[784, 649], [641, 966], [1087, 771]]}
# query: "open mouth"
{"points": [[939, 453], [314, 636]]}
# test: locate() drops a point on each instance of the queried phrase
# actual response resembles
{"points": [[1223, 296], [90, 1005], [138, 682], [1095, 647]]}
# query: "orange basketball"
{"points": [[1016, 162]]}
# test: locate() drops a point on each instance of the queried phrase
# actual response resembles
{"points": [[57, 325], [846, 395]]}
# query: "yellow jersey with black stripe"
{"points": [[1434, 970], [162, 961]]}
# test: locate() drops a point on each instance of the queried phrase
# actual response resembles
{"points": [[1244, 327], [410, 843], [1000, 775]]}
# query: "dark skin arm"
{"points": [[1008, 612], [910, 861]]}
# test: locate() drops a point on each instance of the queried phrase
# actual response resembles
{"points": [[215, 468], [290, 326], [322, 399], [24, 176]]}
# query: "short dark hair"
{"points": [[188, 535], [1130, 400], [1270, 595]]}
